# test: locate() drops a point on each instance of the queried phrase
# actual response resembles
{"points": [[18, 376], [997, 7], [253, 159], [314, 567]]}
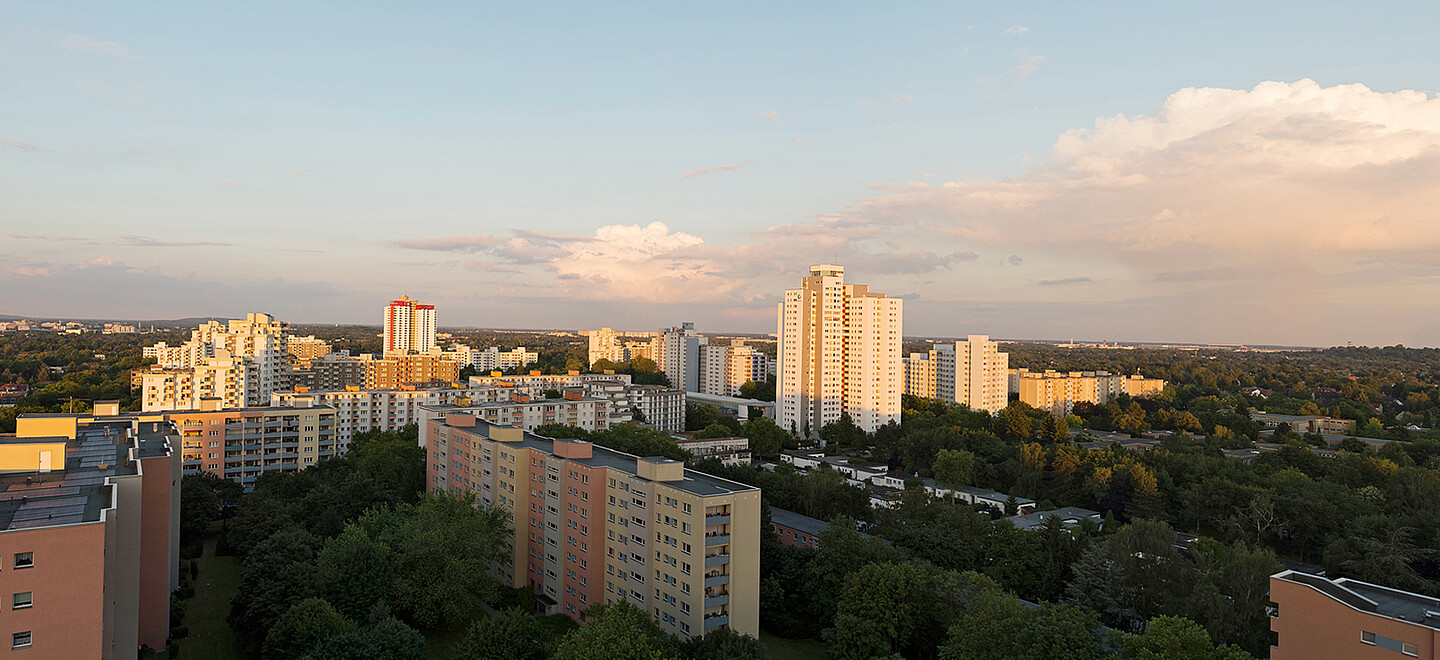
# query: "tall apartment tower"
{"points": [[839, 353], [973, 372], [240, 362], [920, 379], [409, 326], [680, 356]]}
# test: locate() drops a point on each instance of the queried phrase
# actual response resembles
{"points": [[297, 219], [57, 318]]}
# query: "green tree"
{"points": [[562, 431], [1353, 446], [843, 432], [640, 441], [716, 430], [1176, 638], [616, 631], [954, 467], [766, 437], [303, 627], [384, 637], [510, 635], [354, 572], [723, 644], [276, 575]]}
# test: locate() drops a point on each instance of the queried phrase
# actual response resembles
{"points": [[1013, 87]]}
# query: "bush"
{"points": [[192, 548], [179, 632]]}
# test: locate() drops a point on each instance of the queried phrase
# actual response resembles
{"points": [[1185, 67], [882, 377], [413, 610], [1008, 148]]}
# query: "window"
{"points": [[24, 560], [20, 640], [1367, 637], [1409, 649], [21, 600]]}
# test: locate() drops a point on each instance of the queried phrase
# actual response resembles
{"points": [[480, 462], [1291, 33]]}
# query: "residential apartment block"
{"points": [[531, 412], [622, 346], [596, 525], [305, 349], [973, 372], [491, 358], [839, 353], [1317, 617], [1306, 423], [240, 362], [409, 326], [723, 369], [89, 533], [1058, 392], [680, 356], [242, 443], [359, 410], [396, 370], [920, 376]]}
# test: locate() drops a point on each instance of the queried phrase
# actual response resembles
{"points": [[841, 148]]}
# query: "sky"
{"points": [[1261, 173]]}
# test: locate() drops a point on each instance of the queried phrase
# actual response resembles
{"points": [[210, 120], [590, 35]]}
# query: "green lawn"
{"points": [[210, 636], [792, 649]]}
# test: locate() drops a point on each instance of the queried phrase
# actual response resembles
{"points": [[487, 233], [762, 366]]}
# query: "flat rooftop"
{"points": [[78, 492], [798, 522], [697, 483], [1384, 601]]}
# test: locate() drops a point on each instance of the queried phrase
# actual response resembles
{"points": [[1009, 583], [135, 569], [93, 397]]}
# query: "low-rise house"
{"points": [[993, 500], [1069, 517], [803, 458], [797, 530]]}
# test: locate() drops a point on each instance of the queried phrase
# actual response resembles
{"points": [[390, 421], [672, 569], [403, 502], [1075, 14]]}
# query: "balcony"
{"points": [[717, 519], [716, 620], [716, 560], [712, 540], [717, 601], [717, 581]]}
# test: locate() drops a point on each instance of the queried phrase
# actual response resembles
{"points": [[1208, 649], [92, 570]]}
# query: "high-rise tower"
{"points": [[839, 354], [409, 326]]}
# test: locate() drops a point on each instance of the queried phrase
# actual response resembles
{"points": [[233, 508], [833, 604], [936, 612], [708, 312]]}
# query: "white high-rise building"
{"points": [[920, 374], [680, 356], [409, 326], [240, 362], [725, 368], [973, 372], [839, 353]]}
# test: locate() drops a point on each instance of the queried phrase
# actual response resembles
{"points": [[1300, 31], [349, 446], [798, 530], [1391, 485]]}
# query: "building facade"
{"points": [[242, 443], [920, 376], [973, 372], [622, 346], [1058, 392], [396, 370], [724, 369], [1317, 617], [680, 356], [359, 410], [90, 542], [839, 353], [596, 525], [529, 412], [240, 362], [409, 326]]}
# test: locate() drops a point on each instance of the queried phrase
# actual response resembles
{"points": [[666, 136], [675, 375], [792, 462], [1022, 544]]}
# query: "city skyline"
{"points": [[1231, 174]]}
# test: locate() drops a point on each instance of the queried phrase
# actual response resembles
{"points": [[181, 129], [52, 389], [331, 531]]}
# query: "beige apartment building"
{"points": [[239, 362], [1058, 392], [973, 372], [839, 353], [530, 412], [242, 443], [724, 369], [305, 349], [596, 525], [359, 410], [622, 346], [920, 376], [401, 369]]}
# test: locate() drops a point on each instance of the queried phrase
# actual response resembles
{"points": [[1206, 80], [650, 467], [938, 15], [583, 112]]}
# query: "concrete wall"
{"points": [[66, 581]]}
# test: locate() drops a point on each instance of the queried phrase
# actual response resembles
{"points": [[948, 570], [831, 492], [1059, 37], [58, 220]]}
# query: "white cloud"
{"points": [[901, 99], [770, 114], [82, 43], [18, 145], [1017, 30], [1026, 64]]}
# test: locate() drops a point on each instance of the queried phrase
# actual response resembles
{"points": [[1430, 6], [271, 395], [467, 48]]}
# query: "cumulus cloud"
{"points": [[84, 44], [714, 168], [1026, 64]]}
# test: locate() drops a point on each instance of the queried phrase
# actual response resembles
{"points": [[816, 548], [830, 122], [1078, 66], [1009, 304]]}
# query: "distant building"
{"points": [[680, 356], [797, 530], [1069, 516], [920, 377], [621, 346], [1306, 423], [730, 451], [240, 362], [839, 354], [305, 349], [972, 372], [529, 412], [90, 536], [732, 406], [396, 370], [360, 410], [1058, 392], [409, 326], [1317, 617], [724, 369]]}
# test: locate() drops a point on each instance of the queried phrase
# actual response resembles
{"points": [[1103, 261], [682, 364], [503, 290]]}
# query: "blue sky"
{"points": [[509, 163]]}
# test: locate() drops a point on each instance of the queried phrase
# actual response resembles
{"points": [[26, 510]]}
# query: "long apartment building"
{"points": [[396, 370], [89, 534], [595, 525], [359, 410], [661, 407], [489, 358], [839, 353], [242, 443], [529, 412], [973, 372], [1058, 392], [1317, 617]]}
